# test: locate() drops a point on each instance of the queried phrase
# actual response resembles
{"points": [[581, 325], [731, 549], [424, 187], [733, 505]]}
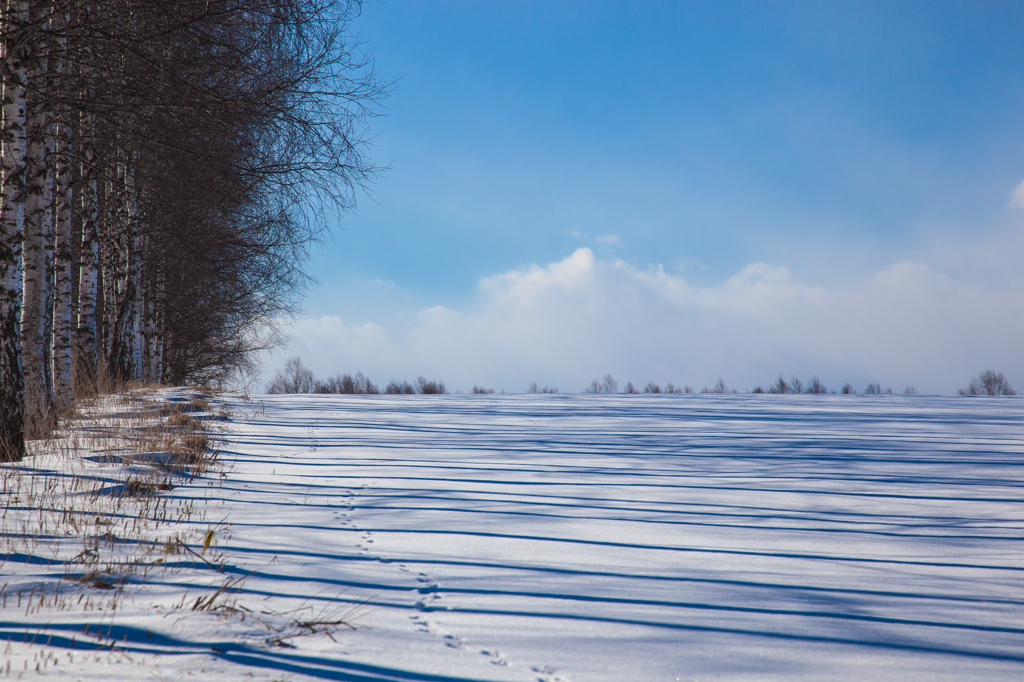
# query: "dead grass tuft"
{"points": [[90, 497], [136, 486], [97, 580], [183, 419], [198, 405]]}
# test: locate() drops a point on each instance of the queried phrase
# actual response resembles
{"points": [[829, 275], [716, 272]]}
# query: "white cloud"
{"points": [[570, 321], [1017, 197], [609, 240]]}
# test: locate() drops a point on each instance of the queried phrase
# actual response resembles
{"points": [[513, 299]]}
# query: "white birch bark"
{"points": [[61, 334], [158, 329], [13, 151], [49, 214], [87, 327], [108, 248], [61, 366], [135, 264], [153, 323], [121, 303], [88, 264]]}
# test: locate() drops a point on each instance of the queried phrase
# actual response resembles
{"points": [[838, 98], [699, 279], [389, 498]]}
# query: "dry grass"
{"points": [[181, 419], [97, 508], [90, 498]]}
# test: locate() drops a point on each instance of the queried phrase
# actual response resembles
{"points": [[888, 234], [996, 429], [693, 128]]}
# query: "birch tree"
{"points": [[35, 238], [165, 170], [12, 220]]}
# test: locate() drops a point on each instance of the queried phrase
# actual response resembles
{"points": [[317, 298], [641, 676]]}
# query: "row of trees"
{"points": [[165, 167], [988, 382], [295, 377]]}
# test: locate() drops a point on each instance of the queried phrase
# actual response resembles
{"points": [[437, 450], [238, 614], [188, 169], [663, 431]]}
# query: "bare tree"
{"points": [[429, 387], [347, 384], [988, 382], [607, 385], [165, 169], [815, 387], [12, 220], [719, 387], [294, 378], [396, 388]]}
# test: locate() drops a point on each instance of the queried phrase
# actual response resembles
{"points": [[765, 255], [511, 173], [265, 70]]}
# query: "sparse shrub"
{"points": [[395, 388], [815, 387], [198, 405], [780, 386], [652, 387], [136, 486], [347, 384], [294, 378], [430, 387], [606, 385], [192, 447], [182, 419], [719, 387], [630, 388], [848, 389], [534, 388], [873, 389], [910, 390], [758, 389], [988, 383], [481, 389]]}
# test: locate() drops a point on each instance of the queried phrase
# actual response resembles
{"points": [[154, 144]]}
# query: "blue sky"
{"points": [[792, 174]]}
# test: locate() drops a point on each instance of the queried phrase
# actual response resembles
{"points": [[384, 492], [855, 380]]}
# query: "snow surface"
{"points": [[587, 537]]}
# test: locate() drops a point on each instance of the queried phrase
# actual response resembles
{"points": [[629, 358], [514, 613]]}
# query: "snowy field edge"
{"points": [[579, 537]]}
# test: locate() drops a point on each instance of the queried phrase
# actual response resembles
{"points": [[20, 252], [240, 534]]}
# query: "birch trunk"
{"points": [[88, 264], [48, 230], [137, 244], [63, 387], [157, 359], [61, 329], [107, 256], [34, 276], [12, 220], [149, 328], [123, 296]]}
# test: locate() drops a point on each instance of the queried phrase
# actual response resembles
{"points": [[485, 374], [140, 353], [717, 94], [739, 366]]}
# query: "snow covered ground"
{"points": [[569, 537]]}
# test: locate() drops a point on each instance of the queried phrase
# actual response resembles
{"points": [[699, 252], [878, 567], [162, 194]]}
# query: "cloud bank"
{"points": [[568, 322]]}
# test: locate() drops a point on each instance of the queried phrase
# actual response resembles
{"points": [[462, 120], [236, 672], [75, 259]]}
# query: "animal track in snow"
{"points": [[495, 656], [548, 674], [449, 640]]}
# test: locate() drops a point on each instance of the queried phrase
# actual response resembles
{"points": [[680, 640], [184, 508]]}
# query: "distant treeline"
{"points": [[988, 382], [296, 378]]}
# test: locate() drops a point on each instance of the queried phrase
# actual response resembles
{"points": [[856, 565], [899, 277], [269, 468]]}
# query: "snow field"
{"points": [[647, 537], [583, 537]]}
